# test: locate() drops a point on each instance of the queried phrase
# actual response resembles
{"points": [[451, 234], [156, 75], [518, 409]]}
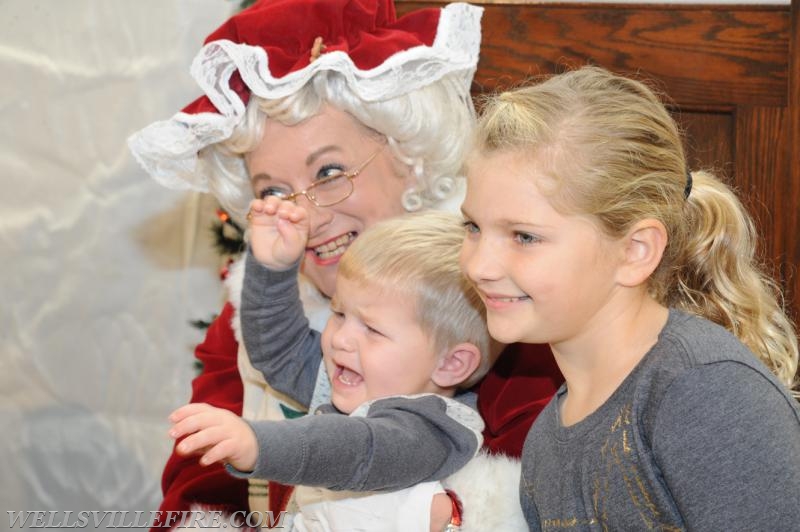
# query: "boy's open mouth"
{"points": [[347, 376]]}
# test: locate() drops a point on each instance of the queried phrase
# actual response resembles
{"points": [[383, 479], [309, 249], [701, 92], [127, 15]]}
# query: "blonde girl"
{"points": [[585, 230]]}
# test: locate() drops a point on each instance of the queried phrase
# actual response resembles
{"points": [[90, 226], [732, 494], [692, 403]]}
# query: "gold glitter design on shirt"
{"points": [[554, 524], [616, 454]]}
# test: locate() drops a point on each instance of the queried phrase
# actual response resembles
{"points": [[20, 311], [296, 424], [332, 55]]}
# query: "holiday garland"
{"points": [[229, 243]]}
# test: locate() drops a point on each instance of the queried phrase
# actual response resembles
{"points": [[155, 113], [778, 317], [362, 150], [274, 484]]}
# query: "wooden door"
{"points": [[732, 73]]}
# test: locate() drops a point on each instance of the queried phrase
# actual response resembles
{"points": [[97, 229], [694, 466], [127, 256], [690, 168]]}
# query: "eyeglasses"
{"points": [[333, 189]]}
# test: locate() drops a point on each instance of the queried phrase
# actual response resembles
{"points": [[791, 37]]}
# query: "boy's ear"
{"points": [[457, 365], [644, 248]]}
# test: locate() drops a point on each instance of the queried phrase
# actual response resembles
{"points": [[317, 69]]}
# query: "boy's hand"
{"points": [[218, 434], [278, 232]]}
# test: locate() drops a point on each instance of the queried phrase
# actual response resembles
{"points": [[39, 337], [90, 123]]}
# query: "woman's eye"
{"points": [[329, 170], [273, 191], [526, 238]]}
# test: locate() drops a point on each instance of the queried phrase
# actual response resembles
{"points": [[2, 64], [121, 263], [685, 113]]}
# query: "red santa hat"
{"points": [[275, 47]]}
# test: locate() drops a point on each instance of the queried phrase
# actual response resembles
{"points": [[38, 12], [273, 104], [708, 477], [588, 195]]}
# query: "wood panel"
{"points": [[730, 72], [714, 132], [791, 151]]}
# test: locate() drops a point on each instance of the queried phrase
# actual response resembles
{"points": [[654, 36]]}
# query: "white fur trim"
{"points": [[233, 283], [488, 487], [167, 150]]}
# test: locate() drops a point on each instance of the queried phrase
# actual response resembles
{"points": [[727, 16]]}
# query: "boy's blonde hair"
{"points": [[416, 255], [615, 153]]}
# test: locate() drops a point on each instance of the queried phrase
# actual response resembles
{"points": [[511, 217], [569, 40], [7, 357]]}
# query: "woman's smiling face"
{"points": [[291, 158]]}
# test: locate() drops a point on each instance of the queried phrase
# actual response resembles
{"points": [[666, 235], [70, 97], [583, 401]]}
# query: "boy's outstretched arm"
{"points": [[401, 441]]}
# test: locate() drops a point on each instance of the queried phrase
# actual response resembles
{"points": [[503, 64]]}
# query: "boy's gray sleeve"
{"points": [[402, 441], [279, 341], [730, 455]]}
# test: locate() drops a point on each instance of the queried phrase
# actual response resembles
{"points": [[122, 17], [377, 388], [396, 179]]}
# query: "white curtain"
{"points": [[102, 269]]}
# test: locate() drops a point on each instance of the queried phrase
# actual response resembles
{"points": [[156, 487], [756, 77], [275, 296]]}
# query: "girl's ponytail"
{"points": [[718, 276]]}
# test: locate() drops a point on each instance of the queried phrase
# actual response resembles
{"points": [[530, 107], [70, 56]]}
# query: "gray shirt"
{"points": [[700, 436], [396, 443]]}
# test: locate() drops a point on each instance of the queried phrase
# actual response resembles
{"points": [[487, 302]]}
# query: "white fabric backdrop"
{"points": [[102, 269]]}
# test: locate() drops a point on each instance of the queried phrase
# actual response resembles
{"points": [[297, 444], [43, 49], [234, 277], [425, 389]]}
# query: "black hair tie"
{"points": [[688, 188]]}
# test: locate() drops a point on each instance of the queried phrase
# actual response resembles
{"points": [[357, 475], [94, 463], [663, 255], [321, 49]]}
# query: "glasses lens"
{"points": [[331, 190]]}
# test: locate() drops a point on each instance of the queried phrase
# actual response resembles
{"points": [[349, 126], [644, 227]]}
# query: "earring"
{"points": [[411, 200], [443, 187]]}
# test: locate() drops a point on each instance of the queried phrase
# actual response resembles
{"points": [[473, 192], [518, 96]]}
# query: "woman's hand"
{"points": [[278, 232], [218, 434]]}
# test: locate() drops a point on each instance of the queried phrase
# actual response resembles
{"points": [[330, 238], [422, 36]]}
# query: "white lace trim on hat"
{"points": [[167, 150]]}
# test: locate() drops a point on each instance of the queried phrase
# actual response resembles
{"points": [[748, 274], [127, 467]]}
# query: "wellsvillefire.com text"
{"points": [[137, 519]]}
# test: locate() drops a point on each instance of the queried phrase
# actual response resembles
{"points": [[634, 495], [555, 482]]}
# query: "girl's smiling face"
{"points": [[291, 158], [544, 276]]}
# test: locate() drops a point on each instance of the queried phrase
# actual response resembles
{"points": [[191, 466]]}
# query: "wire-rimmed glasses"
{"points": [[332, 189]]}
